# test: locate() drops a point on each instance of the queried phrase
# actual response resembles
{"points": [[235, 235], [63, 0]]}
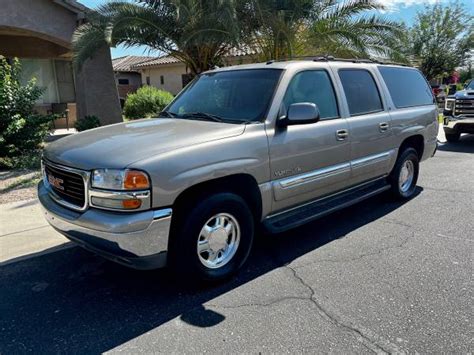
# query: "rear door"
{"points": [[372, 145]]}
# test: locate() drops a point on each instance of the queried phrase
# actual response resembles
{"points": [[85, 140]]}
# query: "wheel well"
{"points": [[416, 142], [243, 185]]}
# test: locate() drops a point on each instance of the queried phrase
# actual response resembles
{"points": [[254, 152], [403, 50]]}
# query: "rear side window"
{"points": [[361, 91], [407, 87], [313, 86]]}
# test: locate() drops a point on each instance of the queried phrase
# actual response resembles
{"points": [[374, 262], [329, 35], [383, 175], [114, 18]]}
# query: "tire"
{"points": [[200, 224], [404, 187], [453, 138]]}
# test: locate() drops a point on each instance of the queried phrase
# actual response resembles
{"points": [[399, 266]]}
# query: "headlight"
{"points": [[114, 179], [449, 105]]}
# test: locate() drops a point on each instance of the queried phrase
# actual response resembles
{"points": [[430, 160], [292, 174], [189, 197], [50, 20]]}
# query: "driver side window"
{"points": [[312, 86]]}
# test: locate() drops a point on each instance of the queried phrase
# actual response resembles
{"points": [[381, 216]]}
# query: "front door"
{"points": [[369, 123], [310, 160]]}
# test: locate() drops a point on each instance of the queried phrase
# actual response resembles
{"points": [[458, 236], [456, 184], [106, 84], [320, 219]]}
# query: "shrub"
{"points": [[146, 102], [22, 130], [88, 122]]}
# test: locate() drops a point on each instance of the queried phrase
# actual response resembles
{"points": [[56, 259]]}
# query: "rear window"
{"points": [[407, 87], [361, 91]]}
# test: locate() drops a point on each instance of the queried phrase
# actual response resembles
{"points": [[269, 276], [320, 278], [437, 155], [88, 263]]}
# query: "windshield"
{"points": [[237, 95], [470, 86]]}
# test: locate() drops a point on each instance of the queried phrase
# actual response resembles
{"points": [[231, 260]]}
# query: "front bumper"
{"points": [[138, 240], [461, 125]]}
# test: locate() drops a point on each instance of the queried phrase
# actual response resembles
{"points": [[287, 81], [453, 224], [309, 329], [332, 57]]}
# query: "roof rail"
{"points": [[330, 58]]}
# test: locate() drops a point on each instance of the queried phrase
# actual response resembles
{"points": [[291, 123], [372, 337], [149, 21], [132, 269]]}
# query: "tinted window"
{"points": [[123, 81], [361, 91], [236, 95], [312, 86], [407, 87]]}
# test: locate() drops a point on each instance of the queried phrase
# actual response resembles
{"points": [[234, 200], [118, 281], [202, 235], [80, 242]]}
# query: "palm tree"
{"points": [[197, 32], [288, 28], [201, 32]]}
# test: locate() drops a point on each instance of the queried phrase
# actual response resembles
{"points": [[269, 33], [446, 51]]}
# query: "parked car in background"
{"points": [[439, 93], [459, 113], [278, 144]]}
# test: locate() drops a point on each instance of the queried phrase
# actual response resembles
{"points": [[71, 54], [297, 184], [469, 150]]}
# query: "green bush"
{"points": [[146, 102], [88, 122], [22, 130]]}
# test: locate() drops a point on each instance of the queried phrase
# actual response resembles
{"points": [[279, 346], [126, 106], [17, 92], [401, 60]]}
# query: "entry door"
{"points": [[310, 160], [369, 123]]}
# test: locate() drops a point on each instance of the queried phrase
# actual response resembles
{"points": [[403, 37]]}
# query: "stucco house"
{"points": [[170, 74], [127, 78], [39, 33]]}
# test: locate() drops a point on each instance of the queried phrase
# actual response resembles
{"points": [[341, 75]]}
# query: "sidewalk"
{"points": [[24, 231]]}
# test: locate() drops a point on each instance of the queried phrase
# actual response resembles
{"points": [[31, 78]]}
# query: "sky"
{"points": [[400, 10]]}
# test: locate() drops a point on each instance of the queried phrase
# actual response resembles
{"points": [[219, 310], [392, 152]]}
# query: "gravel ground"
{"points": [[18, 185]]}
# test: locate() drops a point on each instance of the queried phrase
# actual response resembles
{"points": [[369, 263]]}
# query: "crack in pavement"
{"points": [[367, 337], [23, 231], [400, 245]]}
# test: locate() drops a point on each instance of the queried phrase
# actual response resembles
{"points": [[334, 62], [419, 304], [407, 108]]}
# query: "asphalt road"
{"points": [[378, 277]]}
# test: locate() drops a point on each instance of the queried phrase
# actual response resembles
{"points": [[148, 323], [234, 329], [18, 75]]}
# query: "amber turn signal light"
{"points": [[135, 180], [131, 204]]}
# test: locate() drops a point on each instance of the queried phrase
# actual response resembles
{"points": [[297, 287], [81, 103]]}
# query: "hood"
{"points": [[464, 94], [118, 146]]}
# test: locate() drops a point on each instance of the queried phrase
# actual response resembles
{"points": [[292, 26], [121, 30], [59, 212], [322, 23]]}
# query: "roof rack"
{"points": [[330, 58]]}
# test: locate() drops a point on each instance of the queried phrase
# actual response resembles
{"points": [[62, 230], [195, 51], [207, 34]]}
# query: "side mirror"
{"points": [[302, 113]]}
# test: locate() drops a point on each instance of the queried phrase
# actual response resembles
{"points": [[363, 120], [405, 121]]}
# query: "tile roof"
{"points": [[127, 63], [168, 59]]}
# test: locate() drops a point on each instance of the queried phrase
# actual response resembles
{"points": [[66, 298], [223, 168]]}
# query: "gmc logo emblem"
{"points": [[56, 182]]}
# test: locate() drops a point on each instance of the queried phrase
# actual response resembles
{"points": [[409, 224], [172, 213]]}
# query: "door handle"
{"points": [[342, 134], [383, 126]]}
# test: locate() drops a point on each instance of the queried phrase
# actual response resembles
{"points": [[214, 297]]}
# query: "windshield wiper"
{"points": [[168, 114], [203, 115]]}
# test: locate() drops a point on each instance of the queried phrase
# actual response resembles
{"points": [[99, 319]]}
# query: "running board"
{"points": [[308, 212]]}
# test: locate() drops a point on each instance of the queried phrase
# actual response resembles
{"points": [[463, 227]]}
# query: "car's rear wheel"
{"points": [[404, 175], [453, 137], [212, 240]]}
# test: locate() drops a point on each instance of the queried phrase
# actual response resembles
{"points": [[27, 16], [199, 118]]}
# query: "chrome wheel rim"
{"points": [[218, 240], [407, 174]]}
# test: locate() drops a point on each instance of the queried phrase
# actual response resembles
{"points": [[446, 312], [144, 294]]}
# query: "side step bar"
{"points": [[308, 212]]}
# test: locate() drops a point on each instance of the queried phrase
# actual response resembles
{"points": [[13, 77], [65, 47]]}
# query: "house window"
{"points": [[123, 81], [148, 80], [162, 80], [65, 80], [43, 71]]}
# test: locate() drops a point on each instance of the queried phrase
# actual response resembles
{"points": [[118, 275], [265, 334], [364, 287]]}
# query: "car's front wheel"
{"points": [[213, 239]]}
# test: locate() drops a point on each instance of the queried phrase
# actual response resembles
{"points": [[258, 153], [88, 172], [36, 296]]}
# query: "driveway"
{"points": [[380, 276]]}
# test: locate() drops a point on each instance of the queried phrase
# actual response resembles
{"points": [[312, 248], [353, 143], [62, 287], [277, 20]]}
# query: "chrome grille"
{"points": [[66, 184], [464, 107]]}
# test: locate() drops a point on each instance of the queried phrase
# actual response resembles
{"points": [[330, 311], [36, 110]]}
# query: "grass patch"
{"points": [[22, 183]]}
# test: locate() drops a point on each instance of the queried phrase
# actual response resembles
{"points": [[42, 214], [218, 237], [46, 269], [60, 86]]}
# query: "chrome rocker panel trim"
{"points": [[138, 240]]}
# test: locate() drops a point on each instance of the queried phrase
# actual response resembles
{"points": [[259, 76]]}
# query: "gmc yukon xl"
{"points": [[277, 144]]}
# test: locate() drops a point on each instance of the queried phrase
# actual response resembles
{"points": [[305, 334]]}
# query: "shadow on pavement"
{"points": [[465, 145], [72, 301]]}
